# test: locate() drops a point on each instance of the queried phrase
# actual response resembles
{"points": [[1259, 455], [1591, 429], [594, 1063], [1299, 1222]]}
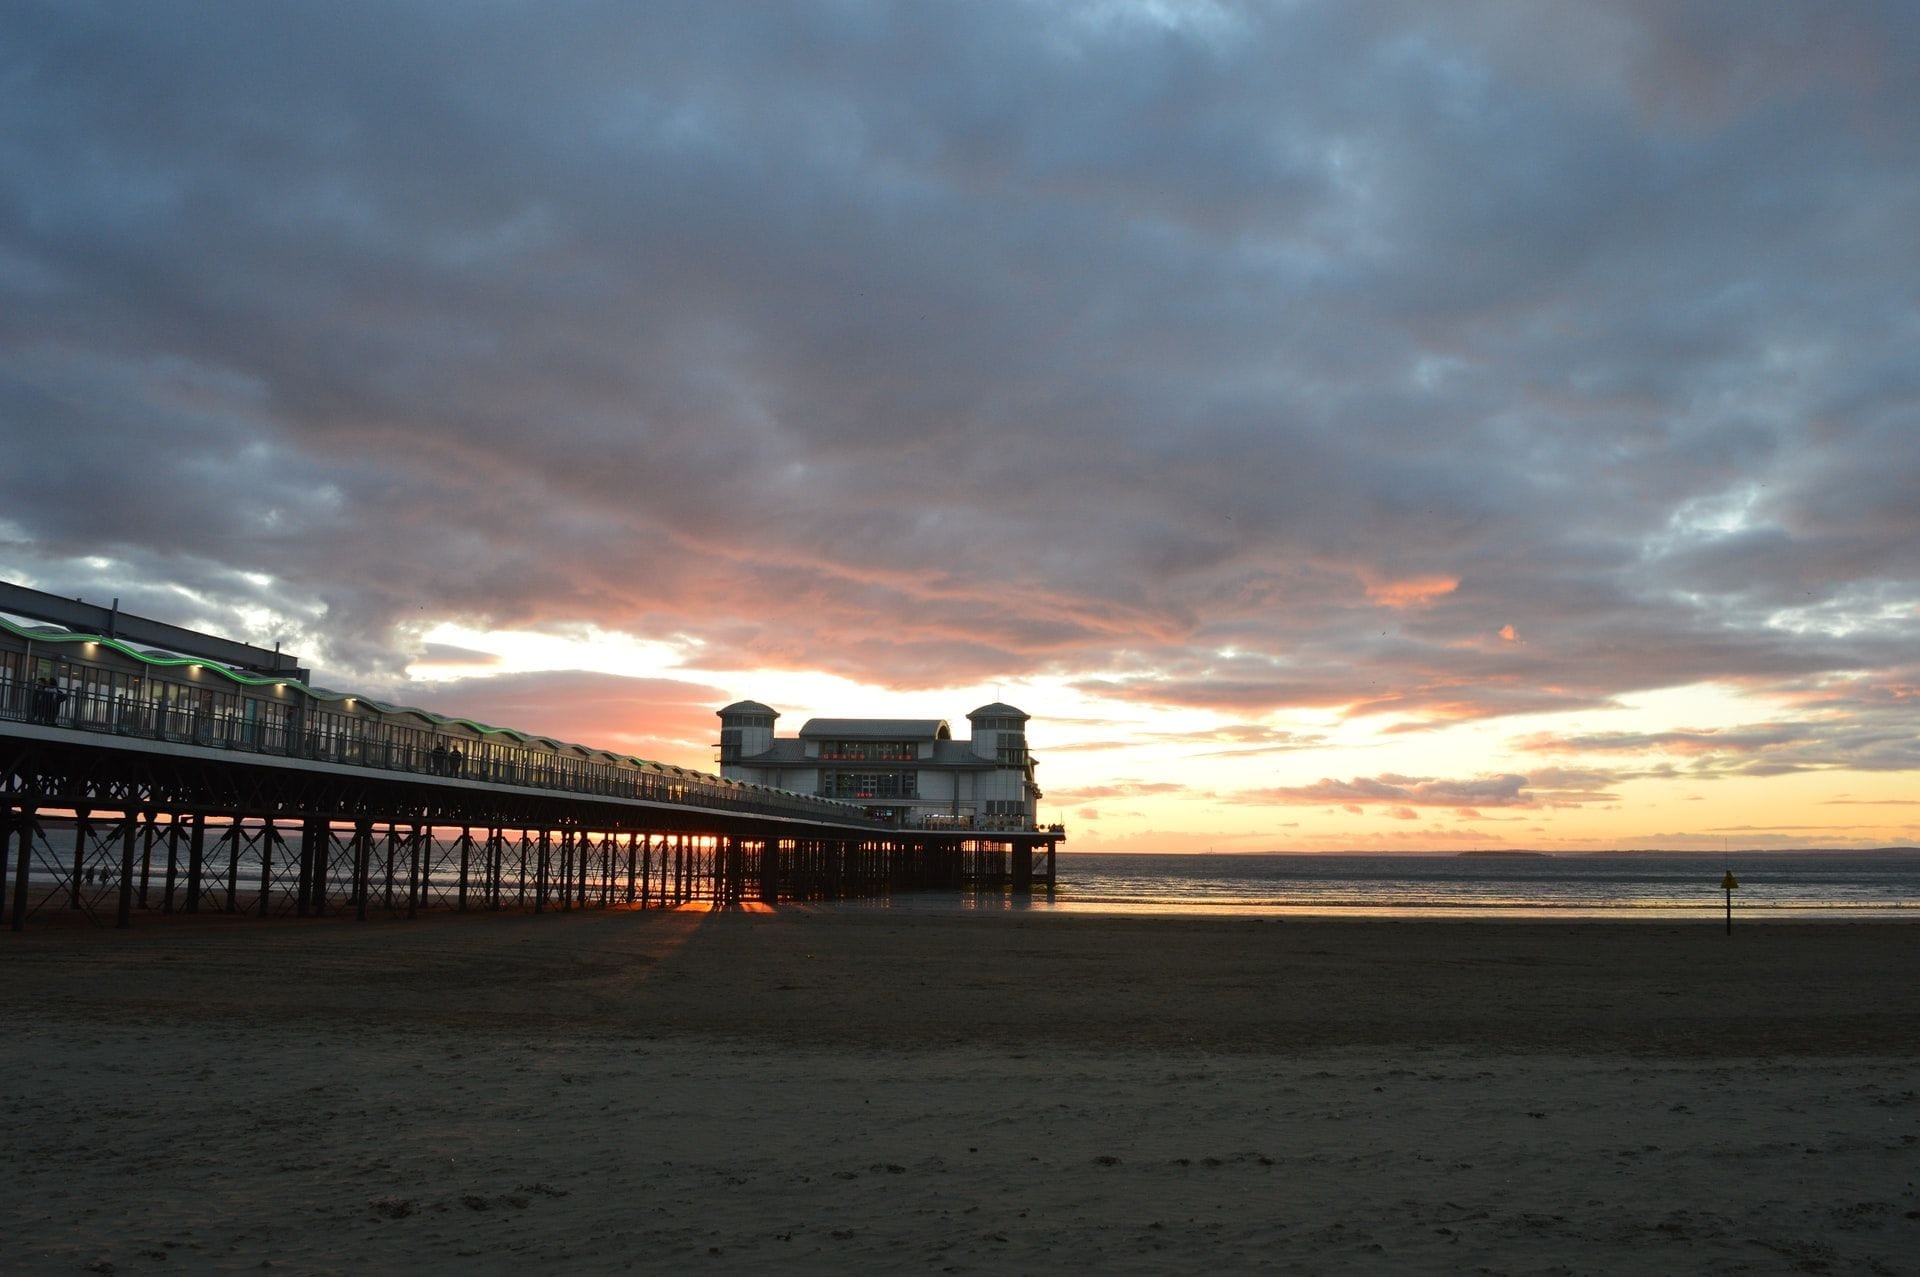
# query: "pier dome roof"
{"points": [[748, 707], [999, 709]]}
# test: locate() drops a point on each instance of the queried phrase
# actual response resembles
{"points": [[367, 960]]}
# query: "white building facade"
{"points": [[909, 770]]}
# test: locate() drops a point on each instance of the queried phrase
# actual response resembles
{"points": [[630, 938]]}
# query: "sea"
{"points": [[1649, 886]]}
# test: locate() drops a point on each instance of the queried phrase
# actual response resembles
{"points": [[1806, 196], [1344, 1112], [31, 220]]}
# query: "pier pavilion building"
{"points": [[910, 771]]}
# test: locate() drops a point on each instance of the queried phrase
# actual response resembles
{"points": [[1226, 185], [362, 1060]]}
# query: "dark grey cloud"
{"points": [[1177, 350]]}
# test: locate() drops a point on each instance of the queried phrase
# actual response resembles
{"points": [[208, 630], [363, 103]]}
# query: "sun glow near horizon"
{"points": [[1129, 774]]}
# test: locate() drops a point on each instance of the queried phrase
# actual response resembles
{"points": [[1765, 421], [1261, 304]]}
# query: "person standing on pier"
{"points": [[47, 700]]}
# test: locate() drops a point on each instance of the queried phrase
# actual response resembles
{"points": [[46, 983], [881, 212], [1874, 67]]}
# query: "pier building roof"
{"points": [[876, 729]]}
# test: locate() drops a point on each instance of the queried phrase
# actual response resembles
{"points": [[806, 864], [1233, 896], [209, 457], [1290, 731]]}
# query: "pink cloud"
{"points": [[659, 719]]}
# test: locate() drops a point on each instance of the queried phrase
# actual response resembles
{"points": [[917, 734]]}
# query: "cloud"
{"points": [[1399, 791], [1551, 787], [1297, 359], [448, 656], [658, 719], [1123, 789], [1853, 723], [1412, 592], [1228, 740]]}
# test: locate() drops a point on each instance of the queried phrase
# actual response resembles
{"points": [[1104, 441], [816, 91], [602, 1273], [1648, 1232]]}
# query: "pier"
{"points": [[102, 829], [150, 770]]}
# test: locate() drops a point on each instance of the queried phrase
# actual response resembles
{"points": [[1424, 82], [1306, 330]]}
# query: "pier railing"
{"points": [[187, 722]]}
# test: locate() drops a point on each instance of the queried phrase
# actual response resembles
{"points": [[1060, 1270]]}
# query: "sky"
{"points": [[1346, 425]]}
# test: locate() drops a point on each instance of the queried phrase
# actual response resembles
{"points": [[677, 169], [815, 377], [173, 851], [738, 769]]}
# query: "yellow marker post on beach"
{"points": [[1727, 884]]}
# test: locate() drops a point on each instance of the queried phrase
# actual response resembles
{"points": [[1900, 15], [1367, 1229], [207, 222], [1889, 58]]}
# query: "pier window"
{"points": [[13, 694], [128, 709], [869, 751], [870, 785]]}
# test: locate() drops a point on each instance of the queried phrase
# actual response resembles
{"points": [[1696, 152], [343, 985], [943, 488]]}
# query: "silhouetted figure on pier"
{"points": [[47, 700]]}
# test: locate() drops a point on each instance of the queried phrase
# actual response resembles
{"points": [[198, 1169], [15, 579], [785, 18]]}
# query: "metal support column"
{"points": [[413, 872], [127, 837], [303, 886], [146, 852], [270, 841], [196, 858], [770, 871], [577, 869], [23, 831], [81, 828], [540, 874], [173, 862], [362, 867], [233, 838], [387, 894], [466, 850]]}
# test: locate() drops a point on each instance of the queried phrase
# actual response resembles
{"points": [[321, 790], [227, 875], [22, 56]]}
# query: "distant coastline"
{"points": [[1443, 854]]}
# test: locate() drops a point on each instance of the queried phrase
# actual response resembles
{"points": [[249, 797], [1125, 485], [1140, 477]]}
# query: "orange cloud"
{"points": [[1410, 592]]}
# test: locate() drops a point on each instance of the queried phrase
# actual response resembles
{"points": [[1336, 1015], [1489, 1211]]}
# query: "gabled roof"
{"points": [[876, 729]]}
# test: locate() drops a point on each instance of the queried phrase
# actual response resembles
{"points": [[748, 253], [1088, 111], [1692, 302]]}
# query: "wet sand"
{"points": [[821, 1091]]}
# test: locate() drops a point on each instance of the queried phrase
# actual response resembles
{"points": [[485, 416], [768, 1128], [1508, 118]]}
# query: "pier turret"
{"points": [[1007, 795], [997, 728], [746, 730]]}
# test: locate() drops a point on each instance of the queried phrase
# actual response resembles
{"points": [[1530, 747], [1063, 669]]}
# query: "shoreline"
{"points": [[1892, 914]]}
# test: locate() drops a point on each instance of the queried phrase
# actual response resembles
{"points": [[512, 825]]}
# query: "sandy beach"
{"points": [[865, 1090]]}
